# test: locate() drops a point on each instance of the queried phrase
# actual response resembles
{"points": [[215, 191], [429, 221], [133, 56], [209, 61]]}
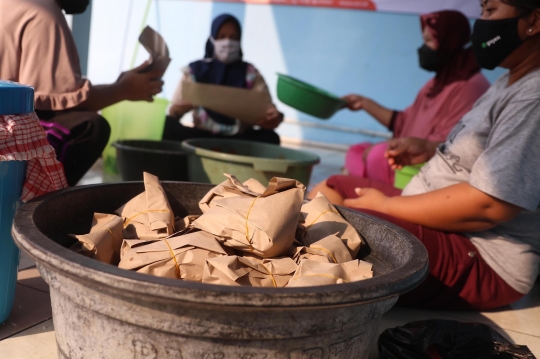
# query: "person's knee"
{"points": [[102, 130]]}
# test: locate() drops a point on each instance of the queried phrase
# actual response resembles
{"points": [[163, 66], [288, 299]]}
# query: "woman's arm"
{"points": [[458, 208], [380, 113], [133, 85]]}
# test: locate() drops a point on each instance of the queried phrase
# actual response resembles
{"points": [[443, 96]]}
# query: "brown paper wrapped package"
{"points": [[249, 271], [311, 273], [231, 188], [320, 219], [263, 225], [330, 249], [182, 257], [105, 238], [148, 215]]}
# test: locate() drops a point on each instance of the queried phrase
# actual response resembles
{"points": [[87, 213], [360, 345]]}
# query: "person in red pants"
{"points": [[475, 204]]}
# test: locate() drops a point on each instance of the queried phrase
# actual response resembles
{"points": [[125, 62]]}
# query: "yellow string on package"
{"points": [[319, 216], [126, 223], [247, 225], [174, 258], [325, 250], [271, 275]]}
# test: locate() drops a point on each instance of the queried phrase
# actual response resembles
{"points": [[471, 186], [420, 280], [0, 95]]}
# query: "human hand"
{"points": [[368, 198], [139, 84], [178, 110], [272, 120], [409, 151], [355, 102]]}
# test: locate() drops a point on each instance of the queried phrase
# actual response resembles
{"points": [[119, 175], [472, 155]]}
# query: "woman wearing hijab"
{"points": [[440, 104], [475, 205], [222, 65]]}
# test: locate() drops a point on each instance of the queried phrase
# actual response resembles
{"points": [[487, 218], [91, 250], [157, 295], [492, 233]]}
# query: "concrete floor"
{"points": [[29, 332]]}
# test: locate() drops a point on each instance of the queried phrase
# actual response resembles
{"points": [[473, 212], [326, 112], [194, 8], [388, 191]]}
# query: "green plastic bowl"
{"points": [[307, 98], [208, 159], [405, 175]]}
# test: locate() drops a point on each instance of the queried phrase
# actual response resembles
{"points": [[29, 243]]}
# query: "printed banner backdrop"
{"points": [[469, 7]]}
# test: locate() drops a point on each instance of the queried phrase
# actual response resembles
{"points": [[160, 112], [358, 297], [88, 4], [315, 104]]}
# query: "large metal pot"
{"points": [[101, 311]]}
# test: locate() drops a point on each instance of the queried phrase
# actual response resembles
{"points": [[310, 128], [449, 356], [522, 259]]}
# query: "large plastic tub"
{"points": [[12, 175], [165, 159], [210, 158], [103, 312], [138, 120]]}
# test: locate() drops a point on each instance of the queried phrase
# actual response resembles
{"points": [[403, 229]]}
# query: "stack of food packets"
{"points": [[247, 235]]}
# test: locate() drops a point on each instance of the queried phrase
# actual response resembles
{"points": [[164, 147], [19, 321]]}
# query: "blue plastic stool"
{"points": [[14, 99], [12, 174]]}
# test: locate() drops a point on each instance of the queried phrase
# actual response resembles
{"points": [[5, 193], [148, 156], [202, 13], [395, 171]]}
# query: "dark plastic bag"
{"points": [[447, 339]]}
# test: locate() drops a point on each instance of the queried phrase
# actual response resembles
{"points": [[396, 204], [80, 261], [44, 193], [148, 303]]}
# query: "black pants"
{"points": [[89, 136], [175, 131]]}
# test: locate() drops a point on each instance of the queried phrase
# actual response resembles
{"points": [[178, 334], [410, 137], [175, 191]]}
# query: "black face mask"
{"points": [[74, 6], [494, 40], [428, 58]]}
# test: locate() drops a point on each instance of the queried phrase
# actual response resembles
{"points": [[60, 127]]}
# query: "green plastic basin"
{"points": [[209, 159], [129, 120], [307, 98], [405, 175]]}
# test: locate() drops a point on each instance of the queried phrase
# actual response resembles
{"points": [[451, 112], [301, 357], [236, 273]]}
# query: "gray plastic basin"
{"points": [[102, 312]]}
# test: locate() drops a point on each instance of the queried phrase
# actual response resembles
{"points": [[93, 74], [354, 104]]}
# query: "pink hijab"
{"points": [[444, 100]]}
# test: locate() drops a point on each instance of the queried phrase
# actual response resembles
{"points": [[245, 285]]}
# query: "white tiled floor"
{"points": [[520, 322]]}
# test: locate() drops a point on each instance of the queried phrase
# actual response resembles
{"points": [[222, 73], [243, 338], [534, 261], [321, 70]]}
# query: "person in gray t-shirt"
{"points": [[480, 190]]}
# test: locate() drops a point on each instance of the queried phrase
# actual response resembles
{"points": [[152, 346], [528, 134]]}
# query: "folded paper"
{"points": [[249, 271], [321, 219], [232, 187], [104, 241], [154, 43], [182, 257], [311, 273], [330, 249], [149, 215], [248, 106]]}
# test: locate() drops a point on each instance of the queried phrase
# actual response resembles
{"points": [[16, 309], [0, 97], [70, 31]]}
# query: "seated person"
{"points": [[475, 204], [37, 49], [222, 65], [441, 103]]}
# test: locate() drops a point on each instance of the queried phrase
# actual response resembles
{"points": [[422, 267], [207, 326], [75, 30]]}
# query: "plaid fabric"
{"points": [[23, 139]]}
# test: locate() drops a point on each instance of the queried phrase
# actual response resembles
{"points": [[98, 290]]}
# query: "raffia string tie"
{"points": [[325, 250], [319, 216], [247, 224], [271, 275], [174, 258], [126, 223]]}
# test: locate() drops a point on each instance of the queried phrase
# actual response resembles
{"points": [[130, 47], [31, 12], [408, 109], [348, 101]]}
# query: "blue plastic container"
{"points": [[14, 99]]}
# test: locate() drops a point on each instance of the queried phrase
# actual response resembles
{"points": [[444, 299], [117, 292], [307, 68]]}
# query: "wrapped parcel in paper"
{"points": [[249, 271], [182, 257], [320, 219], [311, 273], [264, 225], [330, 249], [104, 240], [148, 216]]}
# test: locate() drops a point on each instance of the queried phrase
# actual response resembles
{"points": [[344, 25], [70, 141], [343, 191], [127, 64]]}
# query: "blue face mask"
{"points": [[494, 40]]}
